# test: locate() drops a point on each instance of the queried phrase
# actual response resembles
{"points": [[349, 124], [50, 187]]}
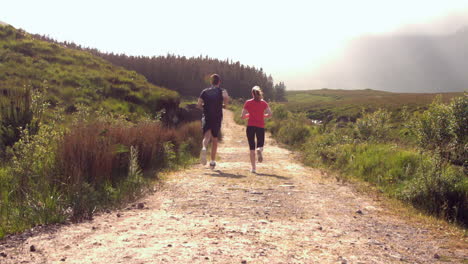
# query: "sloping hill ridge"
{"points": [[71, 77]]}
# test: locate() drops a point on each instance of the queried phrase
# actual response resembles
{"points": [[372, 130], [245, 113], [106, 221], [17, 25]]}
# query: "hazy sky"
{"points": [[288, 39]]}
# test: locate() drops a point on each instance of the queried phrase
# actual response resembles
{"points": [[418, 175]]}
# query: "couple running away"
{"points": [[212, 100]]}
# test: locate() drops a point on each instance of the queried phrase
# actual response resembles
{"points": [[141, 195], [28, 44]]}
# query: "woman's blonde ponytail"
{"points": [[257, 93]]}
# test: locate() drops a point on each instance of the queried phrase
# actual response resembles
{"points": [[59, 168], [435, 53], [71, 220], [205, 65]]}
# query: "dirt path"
{"points": [[286, 214]]}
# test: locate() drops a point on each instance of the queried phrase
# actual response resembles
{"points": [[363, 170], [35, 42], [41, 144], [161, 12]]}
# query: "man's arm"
{"points": [[200, 103]]}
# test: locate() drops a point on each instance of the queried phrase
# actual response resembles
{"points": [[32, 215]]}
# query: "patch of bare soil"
{"points": [[287, 213]]}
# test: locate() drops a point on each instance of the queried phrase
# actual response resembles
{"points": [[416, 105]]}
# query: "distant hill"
{"points": [[402, 63], [3, 23], [348, 104], [72, 77]]}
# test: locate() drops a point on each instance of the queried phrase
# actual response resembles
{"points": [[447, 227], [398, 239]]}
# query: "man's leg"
{"points": [[214, 148], [205, 142], [206, 139], [214, 143]]}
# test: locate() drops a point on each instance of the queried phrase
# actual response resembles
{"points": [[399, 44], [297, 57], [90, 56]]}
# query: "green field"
{"points": [[348, 104]]}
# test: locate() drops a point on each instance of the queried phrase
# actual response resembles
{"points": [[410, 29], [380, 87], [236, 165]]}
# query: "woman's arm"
{"points": [[225, 98], [245, 114], [267, 112]]}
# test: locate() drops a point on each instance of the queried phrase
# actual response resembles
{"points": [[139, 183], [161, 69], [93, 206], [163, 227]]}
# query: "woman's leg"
{"points": [[260, 134], [252, 160], [250, 131]]}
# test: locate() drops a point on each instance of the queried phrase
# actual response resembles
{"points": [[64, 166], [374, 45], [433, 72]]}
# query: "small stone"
{"points": [[207, 258], [119, 215], [320, 228], [2, 254], [359, 212], [141, 205], [108, 211], [93, 228], [63, 259], [32, 248], [436, 256], [170, 245], [244, 262]]}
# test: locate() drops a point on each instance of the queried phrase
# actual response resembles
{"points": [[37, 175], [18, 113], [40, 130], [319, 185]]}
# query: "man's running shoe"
{"points": [[259, 154], [203, 157], [212, 164], [253, 171]]}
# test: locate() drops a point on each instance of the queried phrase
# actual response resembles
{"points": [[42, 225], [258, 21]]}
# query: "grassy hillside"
{"points": [[348, 104], [71, 77], [78, 160]]}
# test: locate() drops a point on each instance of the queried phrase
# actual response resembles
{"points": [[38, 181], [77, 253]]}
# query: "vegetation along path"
{"points": [[287, 213]]}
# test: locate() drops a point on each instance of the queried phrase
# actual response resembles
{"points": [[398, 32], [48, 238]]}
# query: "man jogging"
{"points": [[212, 100]]}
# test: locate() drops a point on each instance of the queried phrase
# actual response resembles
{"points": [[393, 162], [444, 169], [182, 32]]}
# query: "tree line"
{"points": [[189, 76]]}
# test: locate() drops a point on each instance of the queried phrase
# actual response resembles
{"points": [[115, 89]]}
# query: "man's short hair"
{"points": [[215, 79]]}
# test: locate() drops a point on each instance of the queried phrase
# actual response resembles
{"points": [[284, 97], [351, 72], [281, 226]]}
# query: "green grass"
{"points": [[70, 77], [386, 147]]}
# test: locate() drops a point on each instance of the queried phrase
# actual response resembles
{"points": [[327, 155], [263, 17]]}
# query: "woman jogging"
{"points": [[256, 110]]}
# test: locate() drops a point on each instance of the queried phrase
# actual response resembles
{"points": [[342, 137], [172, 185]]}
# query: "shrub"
{"points": [[459, 108], [15, 114], [279, 112], [434, 130], [293, 131], [373, 126], [439, 189]]}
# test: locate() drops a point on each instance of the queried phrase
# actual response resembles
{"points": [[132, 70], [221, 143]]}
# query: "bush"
{"points": [[293, 131], [440, 190], [459, 108], [373, 126], [279, 112], [15, 114]]}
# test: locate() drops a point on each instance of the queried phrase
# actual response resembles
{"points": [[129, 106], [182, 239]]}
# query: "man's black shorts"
{"points": [[213, 124]]}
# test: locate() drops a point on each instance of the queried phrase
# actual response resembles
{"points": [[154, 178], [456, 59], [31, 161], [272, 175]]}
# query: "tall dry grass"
{"points": [[98, 152]]}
